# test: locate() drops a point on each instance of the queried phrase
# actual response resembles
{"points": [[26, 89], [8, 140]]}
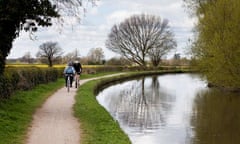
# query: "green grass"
{"points": [[97, 125], [16, 112]]}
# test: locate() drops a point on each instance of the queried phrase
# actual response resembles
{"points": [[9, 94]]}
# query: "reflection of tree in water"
{"points": [[144, 107], [216, 118]]}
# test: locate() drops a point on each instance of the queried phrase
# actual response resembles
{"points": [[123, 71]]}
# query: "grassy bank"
{"points": [[16, 112], [97, 125]]}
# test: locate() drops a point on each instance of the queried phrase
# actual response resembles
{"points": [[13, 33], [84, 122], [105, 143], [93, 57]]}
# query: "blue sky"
{"points": [[94, 27]]}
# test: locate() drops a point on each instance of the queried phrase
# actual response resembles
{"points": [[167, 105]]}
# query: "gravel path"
{"points": [[54, 122]]}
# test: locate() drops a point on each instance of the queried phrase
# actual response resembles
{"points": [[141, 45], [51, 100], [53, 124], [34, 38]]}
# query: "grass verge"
{"points": [[97, 125], [16, 112]]}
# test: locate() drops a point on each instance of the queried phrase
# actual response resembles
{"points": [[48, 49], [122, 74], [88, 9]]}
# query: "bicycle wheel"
{"points": [[68, 83]]}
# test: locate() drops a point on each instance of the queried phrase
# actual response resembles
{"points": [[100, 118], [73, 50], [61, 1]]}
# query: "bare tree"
{"points": [[162, 46], [74, 55], [27, 58], [137, 35], [49, 51], [96, 56]]}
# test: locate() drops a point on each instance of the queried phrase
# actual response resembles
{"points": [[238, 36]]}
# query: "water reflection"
{"points": [[216, 118], [140, 106], [155, 109]]}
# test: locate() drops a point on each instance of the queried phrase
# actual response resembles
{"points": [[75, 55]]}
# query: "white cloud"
{"points": [[119, 16], [94, 28]]}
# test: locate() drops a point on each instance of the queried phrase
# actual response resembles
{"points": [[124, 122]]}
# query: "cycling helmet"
{"points": [[76, 61], [70, 64]]}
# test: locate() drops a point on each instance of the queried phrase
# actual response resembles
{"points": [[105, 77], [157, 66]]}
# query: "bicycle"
{"points": [[68, 82]]}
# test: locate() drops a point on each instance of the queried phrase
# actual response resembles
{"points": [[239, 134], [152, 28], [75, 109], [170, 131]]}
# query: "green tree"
{"points": [[16, 15], [216, 47]]}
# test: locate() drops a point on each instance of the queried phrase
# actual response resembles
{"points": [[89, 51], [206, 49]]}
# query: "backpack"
{"points": [[69, 70]]}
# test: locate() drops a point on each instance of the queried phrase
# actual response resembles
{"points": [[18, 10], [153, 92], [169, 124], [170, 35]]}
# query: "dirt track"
{"points": [[54, 122]]}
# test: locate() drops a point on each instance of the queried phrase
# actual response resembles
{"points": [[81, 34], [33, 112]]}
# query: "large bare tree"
{"points": [[49, 51], [137, 35]]}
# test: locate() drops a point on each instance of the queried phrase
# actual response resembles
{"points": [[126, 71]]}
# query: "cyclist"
{"points": [[78, 68], [69, 70]]}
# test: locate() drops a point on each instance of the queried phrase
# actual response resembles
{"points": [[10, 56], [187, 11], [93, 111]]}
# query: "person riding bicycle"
{"points": [[78, 68], [69, 70]]}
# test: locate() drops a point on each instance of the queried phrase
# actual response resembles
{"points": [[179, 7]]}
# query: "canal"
{"points": [[173, 109]]}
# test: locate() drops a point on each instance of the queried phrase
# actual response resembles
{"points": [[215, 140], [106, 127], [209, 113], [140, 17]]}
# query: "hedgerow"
{"points": [[26, 79]]}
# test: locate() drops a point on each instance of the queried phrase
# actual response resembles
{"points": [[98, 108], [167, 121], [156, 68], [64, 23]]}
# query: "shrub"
{"points": [[25, 79]]}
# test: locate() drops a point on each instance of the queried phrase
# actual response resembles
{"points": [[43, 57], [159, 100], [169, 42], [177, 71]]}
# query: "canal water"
{"points": [[173, 109]]}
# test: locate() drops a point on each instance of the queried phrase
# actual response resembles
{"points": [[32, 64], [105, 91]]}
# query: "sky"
{"points": [[96, 23]]}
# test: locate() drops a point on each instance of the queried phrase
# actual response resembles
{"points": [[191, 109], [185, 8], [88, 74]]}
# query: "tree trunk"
{"points": [[50, 64], [7, 35]]}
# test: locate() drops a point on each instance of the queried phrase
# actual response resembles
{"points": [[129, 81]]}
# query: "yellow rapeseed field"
{"points": [[45, 66]]}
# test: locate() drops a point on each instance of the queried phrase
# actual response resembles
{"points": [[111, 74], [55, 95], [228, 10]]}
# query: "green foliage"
{"points": [[217, 48], [25, 79], [16, 15]]}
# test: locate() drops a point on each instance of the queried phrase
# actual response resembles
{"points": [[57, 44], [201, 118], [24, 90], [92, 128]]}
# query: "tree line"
{"points": [[51, 53], [216, 46]]}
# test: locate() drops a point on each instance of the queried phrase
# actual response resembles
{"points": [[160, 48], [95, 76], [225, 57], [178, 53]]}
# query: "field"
{"points": [[45, 66]]}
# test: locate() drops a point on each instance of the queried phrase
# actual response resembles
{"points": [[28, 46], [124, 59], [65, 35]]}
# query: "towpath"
{"points": [[54, 122]]}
